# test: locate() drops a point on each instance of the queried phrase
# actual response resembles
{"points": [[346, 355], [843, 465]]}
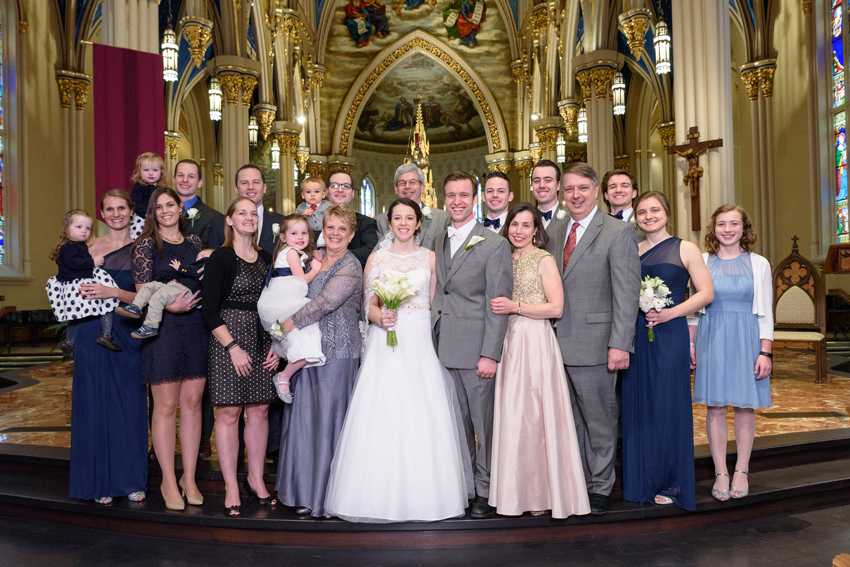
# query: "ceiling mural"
{"points": [[448, 112], [361, 29]]}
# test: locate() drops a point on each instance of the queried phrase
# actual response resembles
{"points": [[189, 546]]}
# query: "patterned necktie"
{"points": [[618, 215], [571, 245], [547, 216], [495, 223]]}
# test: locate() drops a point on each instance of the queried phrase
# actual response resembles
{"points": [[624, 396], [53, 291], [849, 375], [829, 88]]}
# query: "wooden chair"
{"points": [[799, 307]]}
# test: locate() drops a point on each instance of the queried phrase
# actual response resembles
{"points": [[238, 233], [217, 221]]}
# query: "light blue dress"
{"points": [[727, 343]]}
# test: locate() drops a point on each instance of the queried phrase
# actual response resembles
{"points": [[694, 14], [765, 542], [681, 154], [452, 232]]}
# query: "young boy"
{"points": [[313, 192]]}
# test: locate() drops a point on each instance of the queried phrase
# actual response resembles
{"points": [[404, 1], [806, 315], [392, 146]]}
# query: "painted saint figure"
{"points": [[378, 17], [357, 22], [466, 24]]}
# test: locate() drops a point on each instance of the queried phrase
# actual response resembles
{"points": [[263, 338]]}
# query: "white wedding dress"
{"points": [[401, 455]]}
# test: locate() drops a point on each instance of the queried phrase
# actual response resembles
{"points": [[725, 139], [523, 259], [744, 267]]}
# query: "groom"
{"points": [[473, 266]]}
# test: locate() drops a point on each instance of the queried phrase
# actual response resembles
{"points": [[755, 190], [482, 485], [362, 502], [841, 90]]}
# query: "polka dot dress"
{"points": [[68, 304], [137, 224], [226, 387]]}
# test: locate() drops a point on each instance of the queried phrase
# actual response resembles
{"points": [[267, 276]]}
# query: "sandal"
{"points": [[233, 511], [662, 500], [137, 496], [721, 495], [740, 492], [286, 397], [105, 500]]}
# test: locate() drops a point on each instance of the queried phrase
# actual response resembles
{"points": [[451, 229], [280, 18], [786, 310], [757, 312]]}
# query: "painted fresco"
{"points": [[448, 112], [361, 29]]}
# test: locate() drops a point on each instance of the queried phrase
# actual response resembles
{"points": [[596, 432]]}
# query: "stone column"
{"points": [[703, 98], [547, 130], [133, 24], [73, 88], [523, 163], [172, 143], [317, 165], [595, 72], [217, 197], [287, 134], [758, 78], [667, 133]]}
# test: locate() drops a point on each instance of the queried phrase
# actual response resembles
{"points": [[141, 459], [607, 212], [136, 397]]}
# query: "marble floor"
{"points": [[38, 410]]}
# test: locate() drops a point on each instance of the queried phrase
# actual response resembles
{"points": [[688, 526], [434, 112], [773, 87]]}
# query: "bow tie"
{"points": [[495, 223], [619, 215], [547, 216], [454, 233]]}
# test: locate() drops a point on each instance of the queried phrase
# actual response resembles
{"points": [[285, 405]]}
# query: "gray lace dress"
{"points": [[311, 426]]}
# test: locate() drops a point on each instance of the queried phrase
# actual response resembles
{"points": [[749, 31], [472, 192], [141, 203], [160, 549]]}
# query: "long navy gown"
{"points": [[658, 430], [109, 427]]}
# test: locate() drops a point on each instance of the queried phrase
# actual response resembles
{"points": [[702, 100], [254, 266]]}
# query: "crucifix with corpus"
{"points": [[692, 152]]}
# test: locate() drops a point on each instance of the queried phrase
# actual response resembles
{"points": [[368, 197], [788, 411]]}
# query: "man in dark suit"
{"points": [[188, 178], [619, 189], [341, 192], [251, 183]]}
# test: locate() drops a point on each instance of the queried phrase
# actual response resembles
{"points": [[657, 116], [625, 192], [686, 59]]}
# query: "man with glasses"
{"points": [[341, 192], [409, 183]]}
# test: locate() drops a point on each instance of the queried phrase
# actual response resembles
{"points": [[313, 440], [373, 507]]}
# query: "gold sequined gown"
{"points": [[536, 463]]}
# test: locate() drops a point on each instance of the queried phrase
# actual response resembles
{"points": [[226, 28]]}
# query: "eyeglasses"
{"points": [[340, 185], [403, 184]]}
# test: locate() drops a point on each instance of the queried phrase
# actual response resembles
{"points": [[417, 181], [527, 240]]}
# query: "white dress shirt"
{"points": [[502, 218], [457, 236], [260, 210], [627, 214], [582, 226]]}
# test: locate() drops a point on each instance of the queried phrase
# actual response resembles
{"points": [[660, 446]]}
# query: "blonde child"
{"points": [[147, 176], [285, 293], [76, 266], [313, 191]]}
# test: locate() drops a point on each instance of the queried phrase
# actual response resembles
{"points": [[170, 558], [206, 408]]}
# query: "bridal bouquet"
{"points": [[654, 294], [393, 289]]}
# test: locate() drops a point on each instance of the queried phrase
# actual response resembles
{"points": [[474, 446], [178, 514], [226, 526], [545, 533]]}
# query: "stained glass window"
{"points": [[2, 153], [367, 197], [841, 176], [479, 199], [838, 86]]}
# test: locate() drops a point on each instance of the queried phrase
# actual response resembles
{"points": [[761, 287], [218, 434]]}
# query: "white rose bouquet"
{"points": [[654, 294], [393, 289]]}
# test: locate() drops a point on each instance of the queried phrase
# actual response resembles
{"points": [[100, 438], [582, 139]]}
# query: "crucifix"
{"points": [[692, 152]]}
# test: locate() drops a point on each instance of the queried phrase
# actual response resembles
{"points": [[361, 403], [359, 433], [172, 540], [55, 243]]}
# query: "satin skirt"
{"points": [[536, 462]]}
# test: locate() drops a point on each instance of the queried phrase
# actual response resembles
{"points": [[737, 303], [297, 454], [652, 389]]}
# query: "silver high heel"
{"points": [[721, 495], [741, 492]]}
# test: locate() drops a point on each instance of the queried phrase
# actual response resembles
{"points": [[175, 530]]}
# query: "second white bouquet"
{"points": [[654, 294], [393, 289]]}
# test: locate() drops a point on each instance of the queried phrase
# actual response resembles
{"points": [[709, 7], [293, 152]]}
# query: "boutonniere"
{"points": [[426, 212], [275, 230], [472, 242], [193, 214], [632, 221], [562, 214]]}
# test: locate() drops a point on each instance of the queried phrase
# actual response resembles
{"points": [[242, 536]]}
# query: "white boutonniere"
{"points": [[426, 212], [192, 214], [562, 214], [275, 230], [633, 221], [472, 242]]}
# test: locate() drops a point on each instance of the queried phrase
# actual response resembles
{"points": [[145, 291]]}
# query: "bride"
{"points": [[399, 457]]}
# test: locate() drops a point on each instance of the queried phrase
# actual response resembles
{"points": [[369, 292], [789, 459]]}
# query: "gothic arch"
{"points": [[418, 41]]}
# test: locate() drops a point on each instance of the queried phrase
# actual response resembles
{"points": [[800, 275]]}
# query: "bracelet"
{"points": [[767, 354], [692, 344], [518, 308], [231, 345]]}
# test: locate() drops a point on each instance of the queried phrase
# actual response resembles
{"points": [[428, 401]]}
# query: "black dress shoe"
{"points": [[599, 504], [107, 343], [481, 509], [205, 450]]}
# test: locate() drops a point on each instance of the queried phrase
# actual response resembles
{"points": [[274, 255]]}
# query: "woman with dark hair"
{"points": [[536, 464], [312, 424], [658, 440], [174, 362], [109, 431], [732, 343]]}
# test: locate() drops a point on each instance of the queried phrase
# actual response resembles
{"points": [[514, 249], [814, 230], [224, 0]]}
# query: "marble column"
{"points": [[523, 163], [287, 135], [703, 98], [595, 72], [73, 90], [133, 24]]}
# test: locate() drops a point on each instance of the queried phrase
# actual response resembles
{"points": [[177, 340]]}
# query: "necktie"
{"points": [[314, 207], [547, 216], [618, 215], [454, 233], [495, 223], [571, 245]]}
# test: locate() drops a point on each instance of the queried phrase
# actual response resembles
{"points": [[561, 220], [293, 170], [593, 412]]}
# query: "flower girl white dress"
{"points": [[401, 455]]}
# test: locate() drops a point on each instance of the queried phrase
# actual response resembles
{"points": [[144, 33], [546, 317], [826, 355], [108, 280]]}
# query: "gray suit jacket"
{"points": [[558, 208], [601, 289], [428, 232], [639, 234], [468, 328]]}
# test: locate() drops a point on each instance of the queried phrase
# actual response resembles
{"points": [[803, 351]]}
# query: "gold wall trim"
{"points": [[434, 148]]}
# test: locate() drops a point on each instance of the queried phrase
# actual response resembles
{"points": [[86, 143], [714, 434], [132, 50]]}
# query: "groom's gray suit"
{"points": [[466, 329], [601, 293]]}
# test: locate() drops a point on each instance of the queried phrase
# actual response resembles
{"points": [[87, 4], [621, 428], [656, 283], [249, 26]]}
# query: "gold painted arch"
{"points": [[418, 41]]}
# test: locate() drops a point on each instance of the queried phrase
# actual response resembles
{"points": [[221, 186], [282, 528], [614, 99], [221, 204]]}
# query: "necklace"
{"points": [[178, 241]]}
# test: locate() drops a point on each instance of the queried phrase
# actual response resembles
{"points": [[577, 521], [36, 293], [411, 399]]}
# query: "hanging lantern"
{"points": [[275, 155], [561, 148], [618, 89], [169, 55], [582, 126], [215, 99], [253, 129], [662, 48]]}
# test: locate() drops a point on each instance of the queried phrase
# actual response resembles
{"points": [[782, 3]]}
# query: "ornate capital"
{"points": [[536, 152], [197, 32], [667, 133], [547, 136], [540, 19], [524, 168], [249, 83], [751, 81], [635, 24], [23, 27], [66, 88], [230, 85], [807, 6], [503, 166], [316, 169], [78, 84], [302, 155], [766, 80], [759, 74], [172, 142], [622, 162], [603, 78], [265, 114], [585, 79], [317, 78], [288, 143], [568, 109], [518, 69], [218, 174]]}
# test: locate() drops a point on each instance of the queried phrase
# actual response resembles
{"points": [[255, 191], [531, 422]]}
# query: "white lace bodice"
{"points": [[281, 262], [418, 273]]}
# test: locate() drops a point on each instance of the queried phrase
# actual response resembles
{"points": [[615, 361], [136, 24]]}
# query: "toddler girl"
{"points": [[284, 294], [147, 176], [76, 266]]}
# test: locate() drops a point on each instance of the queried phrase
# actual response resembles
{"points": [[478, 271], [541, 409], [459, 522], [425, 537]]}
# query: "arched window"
{"points": [[295, 174], [479, 197], [839, 117], [367, 197]]}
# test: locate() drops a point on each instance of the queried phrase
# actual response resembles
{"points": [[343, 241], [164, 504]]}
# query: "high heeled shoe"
{"points": [[267, 501], [718, 494], [741, 492], [193, 500], [176, 505]]}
